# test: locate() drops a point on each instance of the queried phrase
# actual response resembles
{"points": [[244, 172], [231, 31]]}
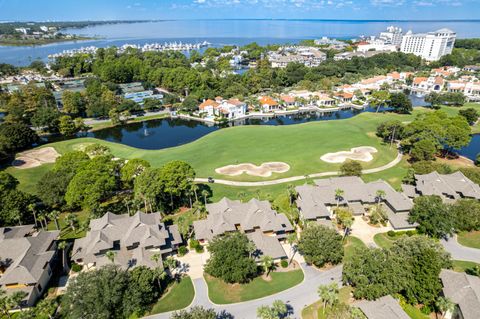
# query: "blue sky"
{"points": [[231, 9]]}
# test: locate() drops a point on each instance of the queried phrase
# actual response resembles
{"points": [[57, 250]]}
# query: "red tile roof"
{"points": [[208, 103], [267, 100]]}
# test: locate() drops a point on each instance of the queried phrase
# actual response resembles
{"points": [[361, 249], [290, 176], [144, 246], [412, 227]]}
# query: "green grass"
{"points": [[392, 175], [65, 231], [300, 146], [414, 312], [180, 295], [463, 266], [470, 239], [351, 244], [29, 178], [383, 240], [315, 310], [220, 292]]}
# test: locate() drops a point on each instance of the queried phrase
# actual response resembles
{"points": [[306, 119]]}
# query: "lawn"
{"points": [[470, 239], [220, 292], [315, 310], [383, 240], [414, 312], [352, 243], [28, 178], [66, 231], [180, 295], [463, 266]]}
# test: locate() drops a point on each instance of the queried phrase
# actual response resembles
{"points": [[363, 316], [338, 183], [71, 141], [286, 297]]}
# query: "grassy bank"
{"points": [[220, 292], [180, 295], [470, 239]]}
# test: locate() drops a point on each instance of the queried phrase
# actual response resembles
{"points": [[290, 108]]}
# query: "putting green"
{"points": [[300, 146]]}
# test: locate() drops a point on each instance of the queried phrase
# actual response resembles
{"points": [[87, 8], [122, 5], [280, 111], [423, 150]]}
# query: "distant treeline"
{"points": [[9, 27], [468, 43]]}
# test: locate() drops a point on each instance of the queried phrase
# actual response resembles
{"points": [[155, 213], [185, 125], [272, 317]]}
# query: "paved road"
{"points": [[296, 298], [460, 252], [397, 160]]}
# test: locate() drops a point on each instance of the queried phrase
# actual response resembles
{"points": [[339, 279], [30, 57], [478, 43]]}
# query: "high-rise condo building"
{"points": [[431, 46]]}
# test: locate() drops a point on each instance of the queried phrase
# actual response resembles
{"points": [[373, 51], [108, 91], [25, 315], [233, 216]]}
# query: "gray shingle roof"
{"points": [[15, 232], [313, 201], [453, 185], [231, 215], [266, 245], [27, 257], [382, 308], [464, 290], [132, 237]]}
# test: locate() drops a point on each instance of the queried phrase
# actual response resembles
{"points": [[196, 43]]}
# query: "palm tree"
{"points": [[54, 215], [347, 224], [46, 307], [380, 195], [126, 201], [4, 304], [339, 195], [62, 246], [251, 248], [268, 264], [195, 191], [444, 305], [157, 258], [242, 195], [72, 221], [292, 193], [205, 194], [328, 294], [170, 263], [111, 255], [33, 208], [42, 218], [277, 310], [293, 241]]}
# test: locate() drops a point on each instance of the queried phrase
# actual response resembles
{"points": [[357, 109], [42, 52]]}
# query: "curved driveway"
{"points": [[460, 252], [297, 178], [296, 298]]}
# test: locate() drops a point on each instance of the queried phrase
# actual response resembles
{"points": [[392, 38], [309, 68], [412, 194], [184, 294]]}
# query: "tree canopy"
{"points": [[321, 245], [231, 258]]}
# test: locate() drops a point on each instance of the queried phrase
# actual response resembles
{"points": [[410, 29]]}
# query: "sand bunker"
{"points": [[34, 158], [264, 170], [363, 153]]}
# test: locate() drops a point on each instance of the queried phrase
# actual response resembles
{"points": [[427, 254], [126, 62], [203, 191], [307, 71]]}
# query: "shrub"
{"points": [[391, 233], [76, 267], [199, 249], [194, 243], [426, 310], [410, 233], [182, 251], [284, 263]]}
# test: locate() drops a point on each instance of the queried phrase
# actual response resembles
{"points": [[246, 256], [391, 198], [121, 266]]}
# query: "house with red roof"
{"points": [[268, 104]]}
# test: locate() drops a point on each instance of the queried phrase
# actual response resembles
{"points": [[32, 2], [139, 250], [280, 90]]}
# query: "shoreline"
{"points": [[42, 43]]}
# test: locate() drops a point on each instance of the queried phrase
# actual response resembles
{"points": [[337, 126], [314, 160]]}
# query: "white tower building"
{"points": [[431, 46]]}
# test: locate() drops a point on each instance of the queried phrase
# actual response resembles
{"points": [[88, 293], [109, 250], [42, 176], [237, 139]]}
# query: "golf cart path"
{"points": [[393, 163], [296, 298], [460, 252]]}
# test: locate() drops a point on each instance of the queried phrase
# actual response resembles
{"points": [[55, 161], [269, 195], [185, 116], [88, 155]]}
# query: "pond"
{"points": [[169, 132], [473, 149], [164, 133]]}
